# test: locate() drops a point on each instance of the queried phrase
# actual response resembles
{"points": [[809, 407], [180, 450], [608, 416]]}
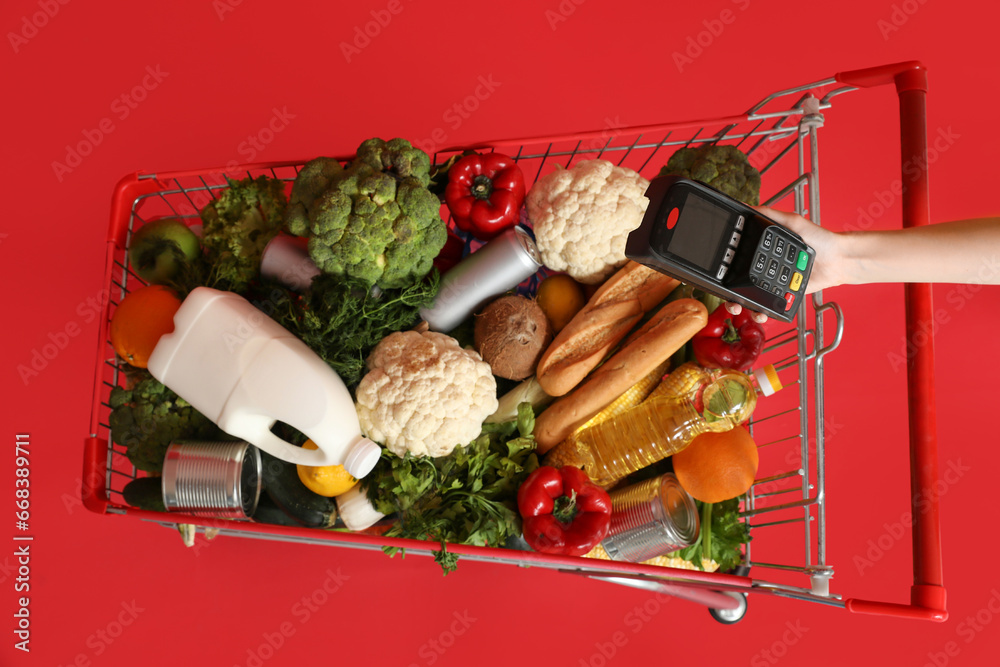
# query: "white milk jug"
{"points": [[244, 371]]}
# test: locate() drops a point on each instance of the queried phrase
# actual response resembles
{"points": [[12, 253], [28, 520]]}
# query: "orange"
{"points": [[560, 298], [326, 481], [140, 319], [717, 466]]}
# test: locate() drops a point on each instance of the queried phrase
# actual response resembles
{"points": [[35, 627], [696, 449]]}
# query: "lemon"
{"points": [[326, 481]]}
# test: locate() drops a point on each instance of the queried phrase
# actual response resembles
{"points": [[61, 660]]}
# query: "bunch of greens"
{"points": [[237, 226], [721, 536], [341, 318], [468, 497], [148, 417]]}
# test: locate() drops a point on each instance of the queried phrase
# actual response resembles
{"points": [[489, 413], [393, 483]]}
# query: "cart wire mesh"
{"points": [[779, 136]]}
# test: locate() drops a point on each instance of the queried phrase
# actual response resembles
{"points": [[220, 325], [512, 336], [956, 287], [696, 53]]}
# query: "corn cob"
{"points": [[680, 381], [568, 453], [635, 395], [599, 553]]}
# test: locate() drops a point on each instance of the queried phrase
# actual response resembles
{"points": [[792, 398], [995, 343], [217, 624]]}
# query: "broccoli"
{"points": [[148, 417], [238, 225], [396, 157], [374, 221], [725, 168], [313, 179]]}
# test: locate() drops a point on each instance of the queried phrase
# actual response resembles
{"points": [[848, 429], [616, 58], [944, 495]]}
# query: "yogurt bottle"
{"points": [[244, 371]]}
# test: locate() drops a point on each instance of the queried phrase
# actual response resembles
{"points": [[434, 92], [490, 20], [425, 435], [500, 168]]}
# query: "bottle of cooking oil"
{"points": [[690, 401]]}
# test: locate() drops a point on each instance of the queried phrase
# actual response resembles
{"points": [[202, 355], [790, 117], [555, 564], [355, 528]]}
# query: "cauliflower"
{"points": [[424, 394], [582, 217]]}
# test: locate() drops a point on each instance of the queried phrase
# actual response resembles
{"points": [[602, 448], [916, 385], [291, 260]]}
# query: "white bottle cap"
{"points": [[356, 510], [767, 380], [362, 458]]}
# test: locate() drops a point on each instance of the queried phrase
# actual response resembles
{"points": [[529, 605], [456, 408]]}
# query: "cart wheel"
{"points": [[730, 616]]}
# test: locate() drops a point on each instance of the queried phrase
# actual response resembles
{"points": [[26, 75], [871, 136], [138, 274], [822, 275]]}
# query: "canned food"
{"points": [[650, 519], [212, 479]]}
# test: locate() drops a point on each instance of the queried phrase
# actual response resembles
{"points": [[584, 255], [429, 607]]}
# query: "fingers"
{"points": [[736, 309]]}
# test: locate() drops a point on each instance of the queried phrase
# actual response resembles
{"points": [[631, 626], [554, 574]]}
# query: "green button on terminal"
{"points": [[803, 261]]}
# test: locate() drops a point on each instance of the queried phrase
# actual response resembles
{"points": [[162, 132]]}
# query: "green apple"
{"points": [[160, 247]]}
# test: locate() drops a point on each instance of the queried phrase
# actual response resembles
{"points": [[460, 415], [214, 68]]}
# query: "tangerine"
{"points": [[140, 319], [717, 466], [560, 298], [328, 481]]}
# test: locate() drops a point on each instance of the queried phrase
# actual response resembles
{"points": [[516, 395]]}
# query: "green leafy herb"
{"points": [[342, 320], [468, 497], [721, 538]]}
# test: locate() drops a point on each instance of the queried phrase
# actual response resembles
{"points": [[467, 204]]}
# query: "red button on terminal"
{"points": [[672, 218], [789, 299]]}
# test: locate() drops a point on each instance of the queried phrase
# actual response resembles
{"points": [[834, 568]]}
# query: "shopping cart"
{"points": [[780, 136]]}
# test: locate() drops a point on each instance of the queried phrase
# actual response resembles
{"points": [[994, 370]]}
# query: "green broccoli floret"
{"points": [[397, 157], [416, 228], [148, 417], [238, 225], [375, 221], [725, 168], [312, 181]]}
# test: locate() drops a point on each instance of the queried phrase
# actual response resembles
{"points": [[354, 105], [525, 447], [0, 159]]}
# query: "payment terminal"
{"points": [[702, 237]]}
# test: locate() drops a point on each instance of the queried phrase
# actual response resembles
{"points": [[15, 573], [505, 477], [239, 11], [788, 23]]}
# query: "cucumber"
{"points": [[268, 512], [145, 493], [283, 486]]}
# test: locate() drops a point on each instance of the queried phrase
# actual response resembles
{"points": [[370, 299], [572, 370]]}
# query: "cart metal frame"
{"points": [[780, 135]]}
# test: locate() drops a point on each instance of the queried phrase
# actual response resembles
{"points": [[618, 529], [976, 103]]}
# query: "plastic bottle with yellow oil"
{"points": [[690, 401]]}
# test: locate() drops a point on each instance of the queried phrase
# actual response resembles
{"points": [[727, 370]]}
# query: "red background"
{"points": [[227, 67]]}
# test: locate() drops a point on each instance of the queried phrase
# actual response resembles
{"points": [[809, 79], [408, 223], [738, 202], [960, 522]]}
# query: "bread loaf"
{"points": [[602, 323], [669, 329]]}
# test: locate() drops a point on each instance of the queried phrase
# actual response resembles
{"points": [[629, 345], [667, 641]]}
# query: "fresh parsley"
{"points": [[468, 497], [723, 535]]}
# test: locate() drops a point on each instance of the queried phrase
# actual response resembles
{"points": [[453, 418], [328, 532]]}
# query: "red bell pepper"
{"points": [[728, 341], [484, 194], [451, 253], [563, 512]]}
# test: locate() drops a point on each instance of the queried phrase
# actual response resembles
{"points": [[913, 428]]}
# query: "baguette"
{"points": [[665, 333], [606, 318]]}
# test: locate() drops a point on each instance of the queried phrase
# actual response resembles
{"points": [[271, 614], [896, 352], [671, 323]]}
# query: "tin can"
{"points": [[212, 479], [650, 519], [498, 266]]}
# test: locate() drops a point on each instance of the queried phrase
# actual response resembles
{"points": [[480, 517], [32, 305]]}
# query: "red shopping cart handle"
{"points": [[927, 594], [909, 611], [908, 75]]}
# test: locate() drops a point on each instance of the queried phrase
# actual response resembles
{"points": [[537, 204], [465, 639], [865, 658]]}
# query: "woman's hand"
{"points": [[825, 272]]}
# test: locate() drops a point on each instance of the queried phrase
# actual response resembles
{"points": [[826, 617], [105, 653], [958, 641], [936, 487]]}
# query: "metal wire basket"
{"points": [[786, 505]]}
